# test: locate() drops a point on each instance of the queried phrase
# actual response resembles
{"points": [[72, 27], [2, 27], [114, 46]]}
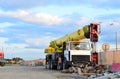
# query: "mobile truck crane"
{"points": [[62, 53]]}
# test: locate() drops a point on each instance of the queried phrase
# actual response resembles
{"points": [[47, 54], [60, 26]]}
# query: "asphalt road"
{"points": [[29, 72]]}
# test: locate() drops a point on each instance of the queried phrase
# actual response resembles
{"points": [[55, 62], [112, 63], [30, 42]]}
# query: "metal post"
{"points": [[112, 24], [116, 41], [94, 46]]}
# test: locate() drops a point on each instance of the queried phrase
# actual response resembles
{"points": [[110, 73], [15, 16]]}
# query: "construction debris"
{"points": [[88, 70], [106, 75], [89, 75]]}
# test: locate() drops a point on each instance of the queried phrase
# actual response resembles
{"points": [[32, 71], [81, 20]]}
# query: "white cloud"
{"points": [[39, 18], [14, 45], [48, 19], [82, 21], [6, 24], [19, 13], [20, 50], [14, 48], [1, 30], [42, 41], [3, 40], [8, 48], [34, 42]]}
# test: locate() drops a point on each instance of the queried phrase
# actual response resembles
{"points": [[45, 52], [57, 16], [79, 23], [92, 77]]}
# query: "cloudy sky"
{"points": [[27, 26]]}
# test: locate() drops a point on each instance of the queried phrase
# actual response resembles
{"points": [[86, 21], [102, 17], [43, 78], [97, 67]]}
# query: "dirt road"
{"points": [[29, 72]]}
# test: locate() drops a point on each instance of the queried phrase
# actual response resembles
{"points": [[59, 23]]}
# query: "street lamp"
{"points": [[116, 36], [116, 41]]}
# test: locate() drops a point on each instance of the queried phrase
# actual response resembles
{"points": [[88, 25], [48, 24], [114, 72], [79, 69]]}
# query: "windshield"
{"points": [[79, 46]]}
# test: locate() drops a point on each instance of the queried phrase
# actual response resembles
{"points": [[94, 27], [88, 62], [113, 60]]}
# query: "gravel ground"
{"points": [[29, 72], [39, 72], [24, 72]]}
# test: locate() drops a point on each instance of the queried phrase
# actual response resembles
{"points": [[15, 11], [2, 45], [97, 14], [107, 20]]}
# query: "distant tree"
{"points": [[17, 59], [8, 61]]}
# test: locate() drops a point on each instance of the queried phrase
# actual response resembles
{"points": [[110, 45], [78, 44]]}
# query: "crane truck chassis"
{"points": [[71, 49]]}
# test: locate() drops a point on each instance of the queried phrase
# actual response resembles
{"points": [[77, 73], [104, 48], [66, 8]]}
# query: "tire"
{"points": [[52, 67], [59, 67], [47, 65], [64, 65]]}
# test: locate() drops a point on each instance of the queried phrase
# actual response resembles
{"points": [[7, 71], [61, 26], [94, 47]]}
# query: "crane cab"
{"points": [[77, 52]]}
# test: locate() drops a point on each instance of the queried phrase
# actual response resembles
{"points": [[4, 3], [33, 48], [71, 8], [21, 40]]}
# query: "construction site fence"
{"points": [[109, 57]]}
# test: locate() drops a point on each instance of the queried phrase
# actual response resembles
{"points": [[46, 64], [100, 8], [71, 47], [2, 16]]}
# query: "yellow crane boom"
{"points": [[56, 45]]}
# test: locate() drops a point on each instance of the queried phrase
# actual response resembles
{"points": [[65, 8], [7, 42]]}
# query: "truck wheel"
{"points": [[59, 67], [52, 66], [47, 65], [64, 65]]}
